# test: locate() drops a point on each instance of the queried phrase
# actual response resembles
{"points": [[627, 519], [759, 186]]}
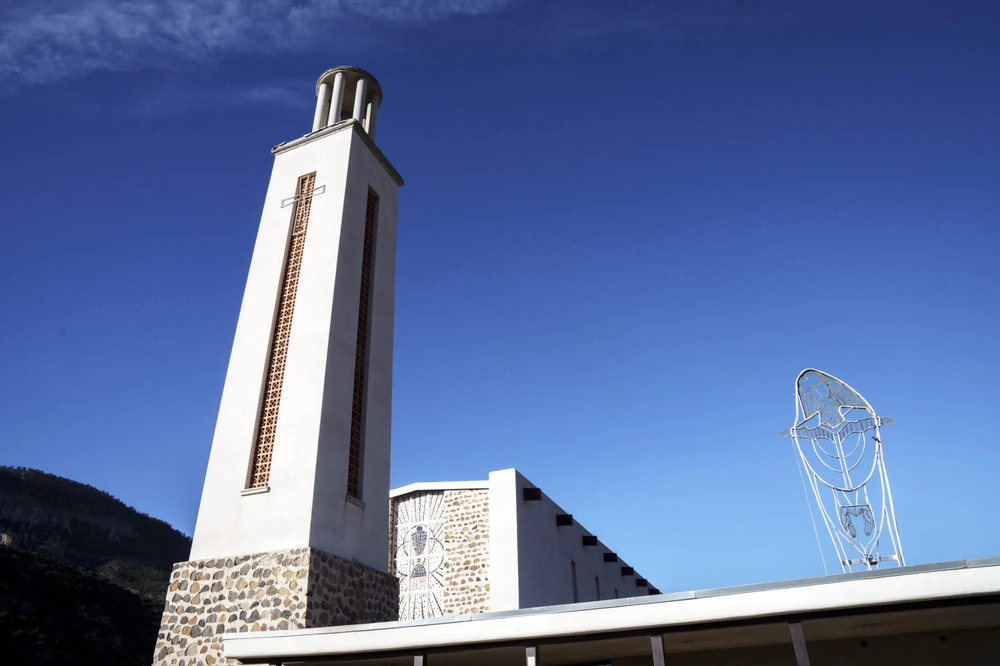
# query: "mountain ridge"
{"points": [[83, 576], [85, 527]]}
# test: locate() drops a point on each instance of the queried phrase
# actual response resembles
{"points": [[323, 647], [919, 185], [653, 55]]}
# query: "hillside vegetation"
{"points": [[51, 613], [83, 577], [84, 527]]}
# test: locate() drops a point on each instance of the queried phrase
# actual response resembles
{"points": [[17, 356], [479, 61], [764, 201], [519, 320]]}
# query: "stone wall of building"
{"points": [[293, 589], [440, 546], [467, 552]]}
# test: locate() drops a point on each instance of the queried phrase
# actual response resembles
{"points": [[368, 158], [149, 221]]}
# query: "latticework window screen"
{"points": [[361, 358], [268, 422]]}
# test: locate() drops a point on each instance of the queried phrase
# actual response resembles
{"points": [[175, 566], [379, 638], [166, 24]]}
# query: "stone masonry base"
{"points": [[292, 589]]}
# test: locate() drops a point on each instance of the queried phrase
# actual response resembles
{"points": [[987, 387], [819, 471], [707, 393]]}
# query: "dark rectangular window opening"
{"points": [[576, 591], [532, 494], [358, 408]]}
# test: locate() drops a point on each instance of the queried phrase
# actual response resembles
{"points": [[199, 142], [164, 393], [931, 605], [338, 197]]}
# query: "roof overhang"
{"points": [[959, 594]]}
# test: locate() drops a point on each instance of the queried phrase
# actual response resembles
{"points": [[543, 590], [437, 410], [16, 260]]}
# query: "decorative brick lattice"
{"points": [[282, 332], [361, 358]]}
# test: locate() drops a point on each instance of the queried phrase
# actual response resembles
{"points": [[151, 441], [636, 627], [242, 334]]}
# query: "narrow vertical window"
{"points": [[268, 421], [616, 593], [576, 591], [356, 452], [597, 587]]}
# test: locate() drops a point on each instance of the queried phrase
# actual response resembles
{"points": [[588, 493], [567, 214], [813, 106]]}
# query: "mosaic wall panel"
{"points": [[441, 553], [418, 555]]}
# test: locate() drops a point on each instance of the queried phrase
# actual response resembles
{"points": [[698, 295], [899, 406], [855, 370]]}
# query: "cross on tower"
{"points": [[285, 203]]}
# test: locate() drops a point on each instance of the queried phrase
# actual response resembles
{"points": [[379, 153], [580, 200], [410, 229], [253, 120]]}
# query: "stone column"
{"points": [[360, 93], [321, 98], [337, 99]]}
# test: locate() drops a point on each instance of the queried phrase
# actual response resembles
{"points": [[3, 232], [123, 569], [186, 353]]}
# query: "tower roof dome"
{"points": [[351, 76]]}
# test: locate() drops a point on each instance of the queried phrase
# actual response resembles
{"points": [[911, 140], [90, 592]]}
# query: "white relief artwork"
{"points": [[838, 445], [418, 557]]}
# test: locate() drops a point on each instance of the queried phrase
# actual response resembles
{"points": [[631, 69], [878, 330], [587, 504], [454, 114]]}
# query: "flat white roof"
{"points": [[426, 486], [923, 586]]}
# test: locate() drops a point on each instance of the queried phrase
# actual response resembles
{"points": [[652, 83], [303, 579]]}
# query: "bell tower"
{"points": [[293, 522]]}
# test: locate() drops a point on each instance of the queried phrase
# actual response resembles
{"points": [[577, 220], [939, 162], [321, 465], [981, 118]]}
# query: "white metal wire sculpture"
{"points": [[839, 447]]}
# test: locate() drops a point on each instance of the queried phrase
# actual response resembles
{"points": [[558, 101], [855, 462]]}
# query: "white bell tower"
{"points": [[301, 449], [297, 489]]}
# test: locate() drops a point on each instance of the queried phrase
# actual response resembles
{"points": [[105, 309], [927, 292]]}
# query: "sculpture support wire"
{"points": [[838, 442]]}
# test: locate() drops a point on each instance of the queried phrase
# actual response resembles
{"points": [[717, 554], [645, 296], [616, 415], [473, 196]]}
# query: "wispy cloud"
{"points": [[169, 100], [48, 40]]}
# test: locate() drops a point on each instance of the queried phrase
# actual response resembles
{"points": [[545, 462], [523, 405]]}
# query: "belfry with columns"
{"points": [[347, 92], [292, 525]]}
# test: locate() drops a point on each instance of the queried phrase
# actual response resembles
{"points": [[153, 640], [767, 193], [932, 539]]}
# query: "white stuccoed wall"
{"points": [[307, 503], [505, 496], [530, 555]]}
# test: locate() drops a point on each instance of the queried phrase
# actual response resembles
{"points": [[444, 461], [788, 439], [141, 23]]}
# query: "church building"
{"points": [[494, 545], [291, 530], [301, 554]]}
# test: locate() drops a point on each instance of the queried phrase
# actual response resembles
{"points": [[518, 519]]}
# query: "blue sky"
{"points": [[626, 228]]}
